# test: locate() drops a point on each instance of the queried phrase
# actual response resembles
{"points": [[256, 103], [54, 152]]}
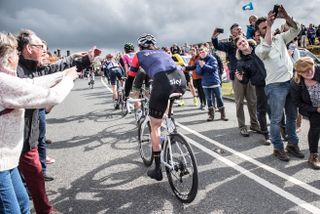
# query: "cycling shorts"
{"points": [[115, 74], [164, 84]]}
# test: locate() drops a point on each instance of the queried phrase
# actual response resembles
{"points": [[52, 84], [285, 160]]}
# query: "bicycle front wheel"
{"points": [[144, 137], [183, 177]]}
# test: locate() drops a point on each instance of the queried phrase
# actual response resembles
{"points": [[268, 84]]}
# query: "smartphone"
{"points": [[97, 52], [275, 10], [220, 30]]}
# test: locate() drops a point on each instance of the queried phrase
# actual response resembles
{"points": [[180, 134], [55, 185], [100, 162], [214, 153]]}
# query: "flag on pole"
{"points": [[248, 6]]}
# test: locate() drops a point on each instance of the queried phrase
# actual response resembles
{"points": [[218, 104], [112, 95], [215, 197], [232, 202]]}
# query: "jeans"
{"points": [[211, 94], [13, 195], [42, 146], [279, 98], [197, 83]]}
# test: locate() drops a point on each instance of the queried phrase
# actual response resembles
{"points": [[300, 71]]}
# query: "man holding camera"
{"points": [[279, 68], [241, 91]]}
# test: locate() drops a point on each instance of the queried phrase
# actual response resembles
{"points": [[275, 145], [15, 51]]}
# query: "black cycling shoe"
{"points": [[155, 174]]}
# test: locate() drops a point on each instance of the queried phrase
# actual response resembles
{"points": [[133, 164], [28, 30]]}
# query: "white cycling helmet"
{"points": [[146, 40]]}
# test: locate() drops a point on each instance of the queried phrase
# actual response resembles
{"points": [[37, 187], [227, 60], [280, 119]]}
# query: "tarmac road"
{"points": [[98, 168]]}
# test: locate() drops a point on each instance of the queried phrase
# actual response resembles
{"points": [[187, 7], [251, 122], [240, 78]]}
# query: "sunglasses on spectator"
{"points": [[38, 46]]}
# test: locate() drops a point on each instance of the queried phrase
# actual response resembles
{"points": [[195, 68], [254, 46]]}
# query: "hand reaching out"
{"points": [[71, 73], [270, 18], [94, 52], [282, 13], [215, 33], [78, 54]]}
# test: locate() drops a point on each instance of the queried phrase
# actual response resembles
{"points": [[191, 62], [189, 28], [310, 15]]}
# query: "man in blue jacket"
{"points": [[207, 67]]}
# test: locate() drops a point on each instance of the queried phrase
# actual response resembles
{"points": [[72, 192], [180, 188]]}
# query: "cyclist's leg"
{"points": [[155, 133], [128, 85], [89, 77], [113, 84], [158, 103], [137, 85], [93, 76]]}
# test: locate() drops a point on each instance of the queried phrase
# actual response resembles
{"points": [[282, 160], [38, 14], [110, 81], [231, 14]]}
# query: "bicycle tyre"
{"points": [[144, 138], [123, 106], [180, 169]]}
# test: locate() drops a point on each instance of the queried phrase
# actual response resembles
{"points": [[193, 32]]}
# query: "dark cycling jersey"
{"points": [[153, 62]]}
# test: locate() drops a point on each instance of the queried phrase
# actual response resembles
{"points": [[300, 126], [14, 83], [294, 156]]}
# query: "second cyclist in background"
{"points": [[127, 59], [116, 73]]}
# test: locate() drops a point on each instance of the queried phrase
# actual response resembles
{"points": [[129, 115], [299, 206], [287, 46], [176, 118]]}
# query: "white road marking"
{"points": [[253, 161], [256, 178], [105, 84]]}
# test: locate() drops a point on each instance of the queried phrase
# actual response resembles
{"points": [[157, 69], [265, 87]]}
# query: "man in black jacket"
{"points": [[32, 50], [251, 68], [241, 91]]}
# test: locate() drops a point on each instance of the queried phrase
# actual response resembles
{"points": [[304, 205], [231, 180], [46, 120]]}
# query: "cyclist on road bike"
{"points": [[91, 76], [127, 59], [167, 78], [116, 72]]}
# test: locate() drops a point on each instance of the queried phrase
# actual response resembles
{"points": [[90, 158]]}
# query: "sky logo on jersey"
{"points": [[175, 82], [149, 53]]}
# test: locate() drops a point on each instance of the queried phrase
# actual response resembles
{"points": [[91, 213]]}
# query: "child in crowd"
{"points": [[250, 28]]}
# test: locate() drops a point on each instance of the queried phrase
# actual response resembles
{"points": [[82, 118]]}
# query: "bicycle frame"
{"points": [[170, 128], [176, 155]]}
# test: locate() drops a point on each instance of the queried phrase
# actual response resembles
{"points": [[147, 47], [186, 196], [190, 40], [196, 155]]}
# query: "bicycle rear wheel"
{"points": [[123, 106], [183, 178], [144, 137]]}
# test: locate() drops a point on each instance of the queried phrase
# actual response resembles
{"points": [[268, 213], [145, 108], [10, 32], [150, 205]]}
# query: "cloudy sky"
{"points": [[79, 24]]}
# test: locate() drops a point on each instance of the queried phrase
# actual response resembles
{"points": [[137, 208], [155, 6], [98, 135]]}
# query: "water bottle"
{"points": [[170, 126]]}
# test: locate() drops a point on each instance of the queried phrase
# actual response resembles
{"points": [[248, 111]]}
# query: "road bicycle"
{"points": [[127, 105], [176, 155]]}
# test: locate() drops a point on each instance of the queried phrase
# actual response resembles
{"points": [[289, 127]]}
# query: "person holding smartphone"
{"points": [[241, 91], [279, 70]]}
